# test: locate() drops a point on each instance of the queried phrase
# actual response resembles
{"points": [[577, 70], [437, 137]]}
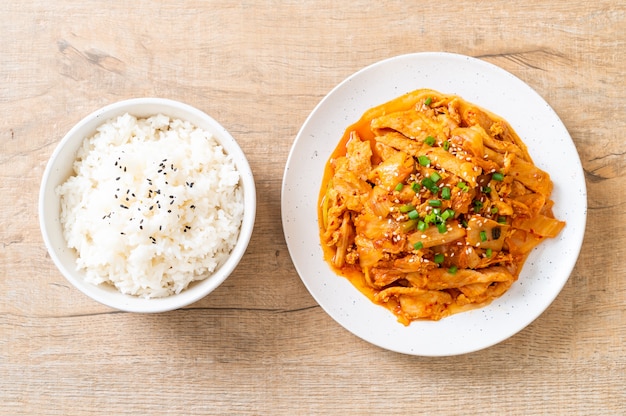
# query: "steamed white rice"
{"points": [[155, 203]]}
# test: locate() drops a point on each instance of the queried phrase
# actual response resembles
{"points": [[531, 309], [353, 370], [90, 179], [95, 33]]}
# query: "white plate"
{"points": [[548, 267]]}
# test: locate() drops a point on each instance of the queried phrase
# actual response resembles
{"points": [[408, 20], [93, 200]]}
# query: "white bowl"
{"points": [[59, 168]]}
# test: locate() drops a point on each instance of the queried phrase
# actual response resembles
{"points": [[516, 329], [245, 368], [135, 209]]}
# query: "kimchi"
{"points": [[430, 205]]}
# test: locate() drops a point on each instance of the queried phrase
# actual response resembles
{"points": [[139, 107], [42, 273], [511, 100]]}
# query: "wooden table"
{"points": [[260, 344]]}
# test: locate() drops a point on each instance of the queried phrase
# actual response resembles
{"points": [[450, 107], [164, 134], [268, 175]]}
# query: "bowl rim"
{"points": [[49, 223]]}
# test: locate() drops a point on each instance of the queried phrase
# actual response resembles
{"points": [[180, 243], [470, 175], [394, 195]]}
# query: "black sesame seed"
{"points": [[118, 178]]}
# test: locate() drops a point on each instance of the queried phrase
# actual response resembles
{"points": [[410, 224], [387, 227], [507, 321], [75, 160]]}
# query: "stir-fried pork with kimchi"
{"points": [[430, 205]]}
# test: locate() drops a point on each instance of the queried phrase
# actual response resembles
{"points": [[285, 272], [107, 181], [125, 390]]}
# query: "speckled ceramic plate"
{"points": [[547, 268]]}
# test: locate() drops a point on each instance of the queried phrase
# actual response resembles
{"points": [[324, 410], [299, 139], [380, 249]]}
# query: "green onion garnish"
{"points": [[463, 186], [483, 235], [429, 184], [399, 187], [415, 186], [421, 225], [497, 177], [439, 258], [418, 245], [447, 214], [453, 269], [435, 177], [486, 189], [434, 203], [413, 215], [423, 160], [442, 228], [488, 253], [502, 220], [406, 208], [446, 193], [428, 101], [446, 145], [430, 140]]}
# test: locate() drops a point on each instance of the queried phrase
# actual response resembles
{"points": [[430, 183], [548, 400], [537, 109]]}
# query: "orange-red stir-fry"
{"points": [[430, 205]]}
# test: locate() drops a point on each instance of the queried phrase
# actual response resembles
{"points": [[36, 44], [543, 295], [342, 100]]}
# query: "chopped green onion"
{"points": [[423, 160], [415, 186], [421, 225], [436, 211], [447, 214], [413, 215], [430, 218], [439, 258], [434, 203], [486, 189], [446, 193], [446, 145], [463, 186], [430, 140], [478, 205], [399, 187], [488, 253], [453, 269], [409, 226], [406, 208], [430, 185], [497, 177], [418, 245], [435, 177], [502, 220], [442, 228], [428, 101], [494, 209], [483, 235]]}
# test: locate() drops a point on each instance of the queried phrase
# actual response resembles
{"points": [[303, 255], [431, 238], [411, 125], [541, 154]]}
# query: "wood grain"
{"points": [[260, 344]]}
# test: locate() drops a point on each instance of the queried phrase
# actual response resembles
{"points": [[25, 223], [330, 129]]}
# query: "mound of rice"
{"points": [[155, 203]]}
